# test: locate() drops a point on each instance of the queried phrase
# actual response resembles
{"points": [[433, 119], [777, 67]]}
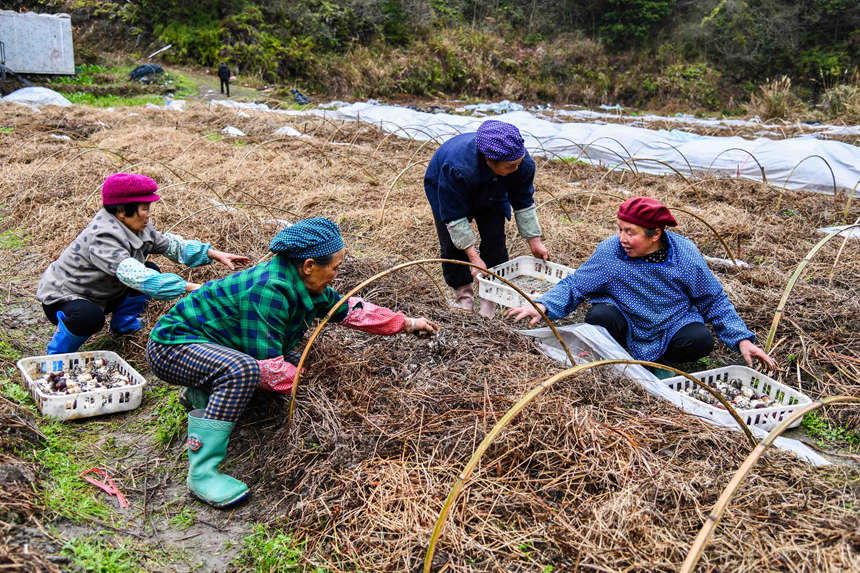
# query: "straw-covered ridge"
{"points": [[594, 475]]}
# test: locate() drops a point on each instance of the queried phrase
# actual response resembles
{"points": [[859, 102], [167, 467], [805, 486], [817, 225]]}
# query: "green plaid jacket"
{"points": [[262, 311]]}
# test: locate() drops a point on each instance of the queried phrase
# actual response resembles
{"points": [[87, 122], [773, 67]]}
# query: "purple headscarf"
{"points": [[500, 141]]}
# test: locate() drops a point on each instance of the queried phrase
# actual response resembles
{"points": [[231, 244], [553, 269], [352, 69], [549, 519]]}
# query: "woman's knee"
{"points": [[241, 372]]}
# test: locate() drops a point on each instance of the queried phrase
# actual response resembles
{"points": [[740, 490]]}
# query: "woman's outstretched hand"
{"points": [[420, 325], [529, 312]]}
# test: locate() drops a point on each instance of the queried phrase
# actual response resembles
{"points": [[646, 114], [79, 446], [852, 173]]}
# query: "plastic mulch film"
{"points": [[588, 343]]}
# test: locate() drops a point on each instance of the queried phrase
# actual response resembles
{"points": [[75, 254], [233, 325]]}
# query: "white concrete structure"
{"points": [[37, 43]]}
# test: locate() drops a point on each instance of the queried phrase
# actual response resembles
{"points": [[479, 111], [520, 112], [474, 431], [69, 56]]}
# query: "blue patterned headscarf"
{"points": [[308, 239], [500, 141]]}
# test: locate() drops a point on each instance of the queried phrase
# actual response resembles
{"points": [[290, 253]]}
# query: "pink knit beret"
{"points": [[646, 212], [128, 188]]}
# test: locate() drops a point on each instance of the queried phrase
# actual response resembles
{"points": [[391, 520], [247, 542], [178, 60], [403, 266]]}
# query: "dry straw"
{"points": [[597, 476]]}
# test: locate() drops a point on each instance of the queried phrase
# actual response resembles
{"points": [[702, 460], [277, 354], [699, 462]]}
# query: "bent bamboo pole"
{"points": [[393, 183], [459, 484], [785, 183], [378, 276], [754, 158], [781, 308], [724, 499]]}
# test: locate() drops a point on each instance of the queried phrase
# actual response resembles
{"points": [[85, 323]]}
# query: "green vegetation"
{"points": [[64, 456], [184, 519], [268, 551], [7, 129], [711, 55], [827, 435], [96, 555], [12, 240], [112, 100], [170, 419]]}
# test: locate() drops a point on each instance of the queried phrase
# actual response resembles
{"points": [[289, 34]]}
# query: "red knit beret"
{"points": [[128, 188], [646, 212]]}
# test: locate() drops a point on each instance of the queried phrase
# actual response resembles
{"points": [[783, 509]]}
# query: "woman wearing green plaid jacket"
{"points": [[237, 334]]}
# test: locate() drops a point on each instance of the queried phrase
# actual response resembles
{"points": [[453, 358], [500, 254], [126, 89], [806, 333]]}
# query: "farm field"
{"points": [[594, 475]]}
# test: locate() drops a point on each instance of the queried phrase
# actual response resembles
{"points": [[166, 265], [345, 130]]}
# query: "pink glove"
{"points": [[368, 317], [277, 375]]}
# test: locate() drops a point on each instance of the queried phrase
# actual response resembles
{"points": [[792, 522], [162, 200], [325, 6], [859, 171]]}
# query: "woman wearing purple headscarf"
{"points": [[481, 176]]}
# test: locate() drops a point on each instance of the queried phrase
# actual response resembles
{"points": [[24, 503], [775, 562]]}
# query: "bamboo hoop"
{"points": [[848, 202], [393, 183], [754, 158], [838, 255], [378, 276], [460, 482], [710, 524], [832, 175], [779, 309]]}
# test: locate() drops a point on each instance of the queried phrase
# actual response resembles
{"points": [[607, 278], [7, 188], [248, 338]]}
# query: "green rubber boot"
{"points": [[193, 398], [207, 446]]}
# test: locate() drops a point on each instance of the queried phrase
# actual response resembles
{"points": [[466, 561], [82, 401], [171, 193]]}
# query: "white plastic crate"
{"points": [[786, 400], [82, 404], [516, 270]]}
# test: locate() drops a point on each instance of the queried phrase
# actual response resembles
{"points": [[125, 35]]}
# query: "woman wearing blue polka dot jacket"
{"points": [[652, 290], [480, 177]]}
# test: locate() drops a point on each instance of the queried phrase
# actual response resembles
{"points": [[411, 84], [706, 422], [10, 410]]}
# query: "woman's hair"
{"points": [[128, 209], [319, 261], [650, 232]]}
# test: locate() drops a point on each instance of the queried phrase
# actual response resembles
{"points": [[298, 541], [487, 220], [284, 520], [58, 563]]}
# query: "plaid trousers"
{"points": [[229, 375]]}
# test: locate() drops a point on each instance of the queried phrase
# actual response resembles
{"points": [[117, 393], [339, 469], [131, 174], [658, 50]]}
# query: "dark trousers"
{"points": [[85, 318], [225, 84], [493, 250], [692, 342]]}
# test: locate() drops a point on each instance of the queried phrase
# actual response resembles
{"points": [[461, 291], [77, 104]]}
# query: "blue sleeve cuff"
{"points": [[164, 286], [189, 252]]}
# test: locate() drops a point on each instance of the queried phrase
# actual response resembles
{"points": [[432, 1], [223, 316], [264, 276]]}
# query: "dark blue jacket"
{"points": [[458, 182]]}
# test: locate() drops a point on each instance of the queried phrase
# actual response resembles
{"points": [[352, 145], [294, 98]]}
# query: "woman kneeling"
{"points": [[239, 333], [653, 291]]}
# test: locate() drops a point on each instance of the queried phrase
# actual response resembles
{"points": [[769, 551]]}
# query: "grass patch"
{"points": [[7, 129], [64, 456], [184, 519], [12, 240], [171, 417], [96, 555], [267, 551], [81, 98], [827, 435], [13, 391]]}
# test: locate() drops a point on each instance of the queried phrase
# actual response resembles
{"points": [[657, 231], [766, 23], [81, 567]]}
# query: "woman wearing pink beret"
{"points": [[104, 271], [653, 291]]}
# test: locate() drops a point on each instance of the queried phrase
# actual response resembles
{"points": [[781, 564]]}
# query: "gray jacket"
{"points": [[87, 268]]}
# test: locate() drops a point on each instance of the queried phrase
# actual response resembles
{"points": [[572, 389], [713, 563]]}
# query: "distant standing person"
{"points": [[224, 75], [481, 176]]}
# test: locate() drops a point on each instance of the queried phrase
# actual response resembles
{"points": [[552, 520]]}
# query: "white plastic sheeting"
{"points": [[588, 343], [613, 144], [37, 96]]}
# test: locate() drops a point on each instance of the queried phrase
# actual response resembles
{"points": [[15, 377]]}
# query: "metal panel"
{"points": [[37, 43]]}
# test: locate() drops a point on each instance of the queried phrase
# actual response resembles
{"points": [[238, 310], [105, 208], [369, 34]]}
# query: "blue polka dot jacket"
{"points": [[657, 299]]}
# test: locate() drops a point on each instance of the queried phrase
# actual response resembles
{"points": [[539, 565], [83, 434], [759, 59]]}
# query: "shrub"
{"points": [[842, 101], [775, 100]]}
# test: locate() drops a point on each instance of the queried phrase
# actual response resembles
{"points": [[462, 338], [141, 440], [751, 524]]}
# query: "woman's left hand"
{"points": [[228, 259], [750, 351], [420, 325]]}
